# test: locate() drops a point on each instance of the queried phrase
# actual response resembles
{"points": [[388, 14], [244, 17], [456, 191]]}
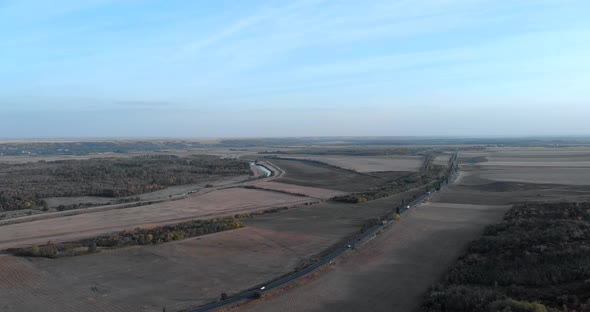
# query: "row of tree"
{"points": [[136, 237]]}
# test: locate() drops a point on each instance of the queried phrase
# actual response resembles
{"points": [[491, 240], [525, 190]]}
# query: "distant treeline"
{"points": [[25, 185], [125, 146], [83, 148], [355, 151], [406, 141], [136, 237], [537, 259]]}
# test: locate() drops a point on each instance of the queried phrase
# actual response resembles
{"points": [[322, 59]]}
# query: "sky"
{"points": [[221, 68]]}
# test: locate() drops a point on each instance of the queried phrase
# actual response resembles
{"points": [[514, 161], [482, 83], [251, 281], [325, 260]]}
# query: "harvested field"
{"points": [[296, 189], [179, 274], [550, 166], [541, 175], [368, 163], [195, 271], [442, 160], [216, 203], [323, 176], [392, 271], [514, 175], [23, 287], [502, 193]]}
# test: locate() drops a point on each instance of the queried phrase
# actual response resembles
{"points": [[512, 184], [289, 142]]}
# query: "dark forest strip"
{"points": [[537, 259]]}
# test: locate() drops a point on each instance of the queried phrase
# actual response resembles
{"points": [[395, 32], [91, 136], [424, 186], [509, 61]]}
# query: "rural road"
{"points": [[255, 293]]}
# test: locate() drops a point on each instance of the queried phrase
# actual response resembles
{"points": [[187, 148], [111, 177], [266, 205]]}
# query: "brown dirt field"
{"points": [[544, 175], [323, 176], [389, 273], [369, 163], [196, 271], [392, 271], [177, 275], [536, 166], [297, 189], [442, 160], [502, 193], [216, 203], [23, 287]]}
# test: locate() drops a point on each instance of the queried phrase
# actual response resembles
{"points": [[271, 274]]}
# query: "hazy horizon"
{"points": [[308, 68]]}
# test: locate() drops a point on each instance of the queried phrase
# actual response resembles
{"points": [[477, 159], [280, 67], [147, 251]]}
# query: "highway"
{"points": [[255, 293]]}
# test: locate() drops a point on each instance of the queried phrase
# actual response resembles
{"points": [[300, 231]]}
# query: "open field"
{"points": [[515, 175], [296, 189], [194, 271], [322, 176], [216, 203], [389, 273], [442, 160], [392, 271], [540, 166], [368, 163]]}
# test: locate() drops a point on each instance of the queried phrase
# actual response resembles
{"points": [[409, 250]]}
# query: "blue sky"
{"points": [[133, 68]]}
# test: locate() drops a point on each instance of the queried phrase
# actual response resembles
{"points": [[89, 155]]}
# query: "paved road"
{"points": [[254, 293]]}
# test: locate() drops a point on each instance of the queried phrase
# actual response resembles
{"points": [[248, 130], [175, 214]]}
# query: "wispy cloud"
{"points": [[261, 15], [301, 56]]}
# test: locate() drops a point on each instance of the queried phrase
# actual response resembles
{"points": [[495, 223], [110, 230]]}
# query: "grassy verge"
{"points": [[537, 259]]}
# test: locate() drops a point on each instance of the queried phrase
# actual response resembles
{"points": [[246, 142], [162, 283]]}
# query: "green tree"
{"points": [[35, 250], [49, 250]]}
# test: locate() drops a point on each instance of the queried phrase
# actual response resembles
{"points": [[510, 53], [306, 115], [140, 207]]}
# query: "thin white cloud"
{"points": [[238, 26]]}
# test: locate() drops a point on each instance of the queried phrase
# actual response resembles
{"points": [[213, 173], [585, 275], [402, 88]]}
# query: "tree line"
{"points": [[537, 259], [135, 237], [25, 185]]}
